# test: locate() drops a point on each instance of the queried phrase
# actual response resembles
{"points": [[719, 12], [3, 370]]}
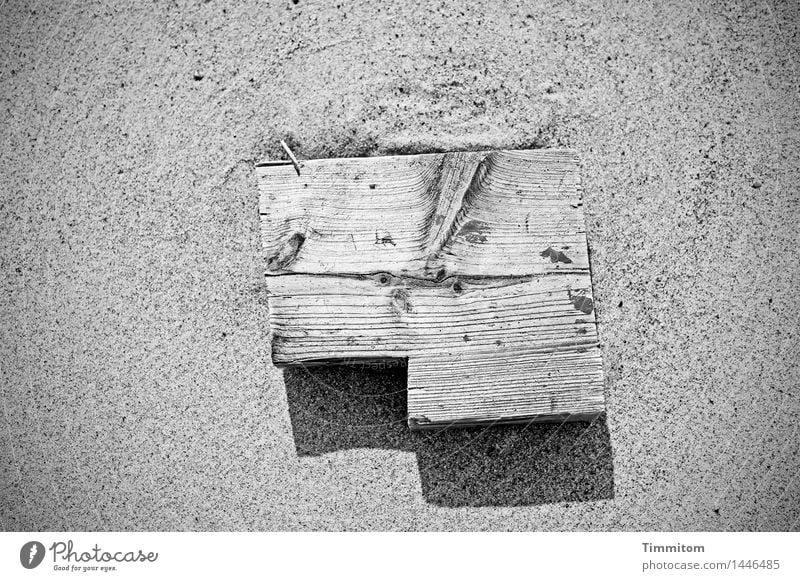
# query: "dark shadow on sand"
{"points": [[344, 407]]}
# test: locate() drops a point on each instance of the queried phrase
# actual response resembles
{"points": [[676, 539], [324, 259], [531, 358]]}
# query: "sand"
{"points": [[137, 389]]}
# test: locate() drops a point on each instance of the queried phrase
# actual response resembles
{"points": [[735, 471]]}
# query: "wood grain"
{"points": [[473, 266], [425, 216]]}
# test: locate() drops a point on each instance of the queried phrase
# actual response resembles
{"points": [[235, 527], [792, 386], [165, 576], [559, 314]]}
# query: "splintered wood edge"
{"points": [[423, 424]]}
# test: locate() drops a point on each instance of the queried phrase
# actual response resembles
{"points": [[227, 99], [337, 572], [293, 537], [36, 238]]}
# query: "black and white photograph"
{"points": [[372, 266]]}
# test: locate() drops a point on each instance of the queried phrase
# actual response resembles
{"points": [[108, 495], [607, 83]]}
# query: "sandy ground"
{"points": [[137, 389]]}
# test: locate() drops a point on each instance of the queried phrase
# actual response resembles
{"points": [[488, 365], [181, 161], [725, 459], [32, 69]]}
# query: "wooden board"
{"points": [[473, 266]]}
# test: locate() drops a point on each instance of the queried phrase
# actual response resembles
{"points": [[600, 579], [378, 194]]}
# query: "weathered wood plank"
{"points": [[513, 384], [473, 266], [426, 216]]}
